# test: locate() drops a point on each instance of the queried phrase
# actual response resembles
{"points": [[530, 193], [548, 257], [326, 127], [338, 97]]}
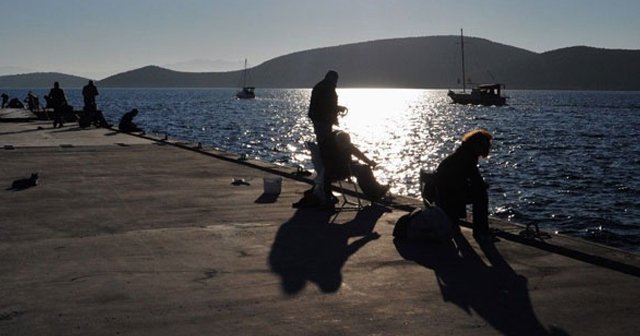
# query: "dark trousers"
{"points": [[322, 130], [366, 181], [454, 205], [58, 116]]}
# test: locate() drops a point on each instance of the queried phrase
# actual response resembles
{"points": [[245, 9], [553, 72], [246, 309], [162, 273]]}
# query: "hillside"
{"points": [[154, 76], [41, 80], [417, 62]]}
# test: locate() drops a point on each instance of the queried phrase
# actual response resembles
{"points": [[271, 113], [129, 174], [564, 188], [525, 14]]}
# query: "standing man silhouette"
{"points": [[324, 108], [58, 102], [89, 93]]}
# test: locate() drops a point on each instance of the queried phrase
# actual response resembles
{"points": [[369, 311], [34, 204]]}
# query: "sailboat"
{"points": [[247, 91], [485, 94]]}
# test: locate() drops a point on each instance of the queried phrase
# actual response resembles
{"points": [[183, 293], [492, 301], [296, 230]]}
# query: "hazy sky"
{"points": [[98, 38]]}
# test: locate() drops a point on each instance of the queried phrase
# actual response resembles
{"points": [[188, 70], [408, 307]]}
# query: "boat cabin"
{"points": [[247, 92], [487, 89], [486, 94]]}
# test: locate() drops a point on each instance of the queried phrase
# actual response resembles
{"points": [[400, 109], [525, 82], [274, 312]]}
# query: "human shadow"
{"points": [[68, 129], [22, 131], [307, 248], [494, 292]]}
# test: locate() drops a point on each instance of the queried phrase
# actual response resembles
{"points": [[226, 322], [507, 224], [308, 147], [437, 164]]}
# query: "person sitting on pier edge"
{"points": [[323, 107], [336, 152], [127, 124], [58, 101], [15, 103], [33, 103], [459, 182]]}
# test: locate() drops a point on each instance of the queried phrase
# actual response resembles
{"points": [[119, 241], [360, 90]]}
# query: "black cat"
{"points": [[25, 183]]}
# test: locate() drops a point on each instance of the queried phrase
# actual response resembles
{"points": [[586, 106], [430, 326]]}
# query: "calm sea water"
{"points": [[567, 161]]}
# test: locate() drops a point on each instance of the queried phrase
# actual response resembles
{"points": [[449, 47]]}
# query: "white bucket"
{"points": [[272, 184]]}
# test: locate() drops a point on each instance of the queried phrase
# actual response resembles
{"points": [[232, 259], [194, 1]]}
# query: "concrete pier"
{"points": [[130, 235]]}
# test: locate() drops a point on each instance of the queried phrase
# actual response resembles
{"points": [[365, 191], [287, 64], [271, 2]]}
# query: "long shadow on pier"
{"points": [[308, 248], [22, 132], [494, 292]]}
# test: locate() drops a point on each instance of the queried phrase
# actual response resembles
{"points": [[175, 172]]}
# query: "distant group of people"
{"points": [[11, 103], [32, 101], [458, 179], [56, 100]]}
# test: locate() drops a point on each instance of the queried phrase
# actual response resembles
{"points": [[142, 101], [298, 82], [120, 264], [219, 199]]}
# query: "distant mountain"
{"points": [[204, 65], [417, 62], [586, 68], [155, 76], [420, 62], [41, 80]]}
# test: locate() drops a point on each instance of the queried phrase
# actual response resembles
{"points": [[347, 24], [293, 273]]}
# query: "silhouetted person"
{"points": [[90, 109], [127, 124], [58, 101], [99, 120], [459, 181], [33, 103], [96, 118], [15, 103], [336, 153], [324, 108], [89, 93], [5, 99]]}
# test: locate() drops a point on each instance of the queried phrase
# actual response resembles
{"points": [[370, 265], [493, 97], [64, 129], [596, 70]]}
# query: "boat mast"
{"points": [[464, 78], [244, 74]]}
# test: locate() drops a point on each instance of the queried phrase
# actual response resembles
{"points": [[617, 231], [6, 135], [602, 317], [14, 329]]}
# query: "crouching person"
{"points": [[127, 124], [459, 182]]}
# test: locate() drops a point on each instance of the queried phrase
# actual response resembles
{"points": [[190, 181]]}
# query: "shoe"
{"points": [[382, 192]]}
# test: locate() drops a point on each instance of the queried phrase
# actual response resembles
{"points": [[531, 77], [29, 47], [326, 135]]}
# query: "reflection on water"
{"points": [[565, 160]]}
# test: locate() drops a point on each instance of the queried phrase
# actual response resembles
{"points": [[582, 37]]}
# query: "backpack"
{"points": [[428, 224]]}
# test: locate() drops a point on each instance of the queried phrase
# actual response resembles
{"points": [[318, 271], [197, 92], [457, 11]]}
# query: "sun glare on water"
{"points": [[390, 124]]}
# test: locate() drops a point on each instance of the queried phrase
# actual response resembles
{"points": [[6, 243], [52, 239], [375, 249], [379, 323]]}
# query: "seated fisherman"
{"points": [[127, 124], [336, 153], [33, 103], [459, 181], [93, 117]]}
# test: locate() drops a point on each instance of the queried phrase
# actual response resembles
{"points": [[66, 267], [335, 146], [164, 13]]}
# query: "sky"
{"points": [[99, 38]]}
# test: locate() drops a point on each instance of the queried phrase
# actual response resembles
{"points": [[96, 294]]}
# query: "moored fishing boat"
{"points": [[485, 94]]}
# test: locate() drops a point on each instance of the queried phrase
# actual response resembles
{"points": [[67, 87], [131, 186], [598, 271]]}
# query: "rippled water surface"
{"points": [[568, 161]]}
